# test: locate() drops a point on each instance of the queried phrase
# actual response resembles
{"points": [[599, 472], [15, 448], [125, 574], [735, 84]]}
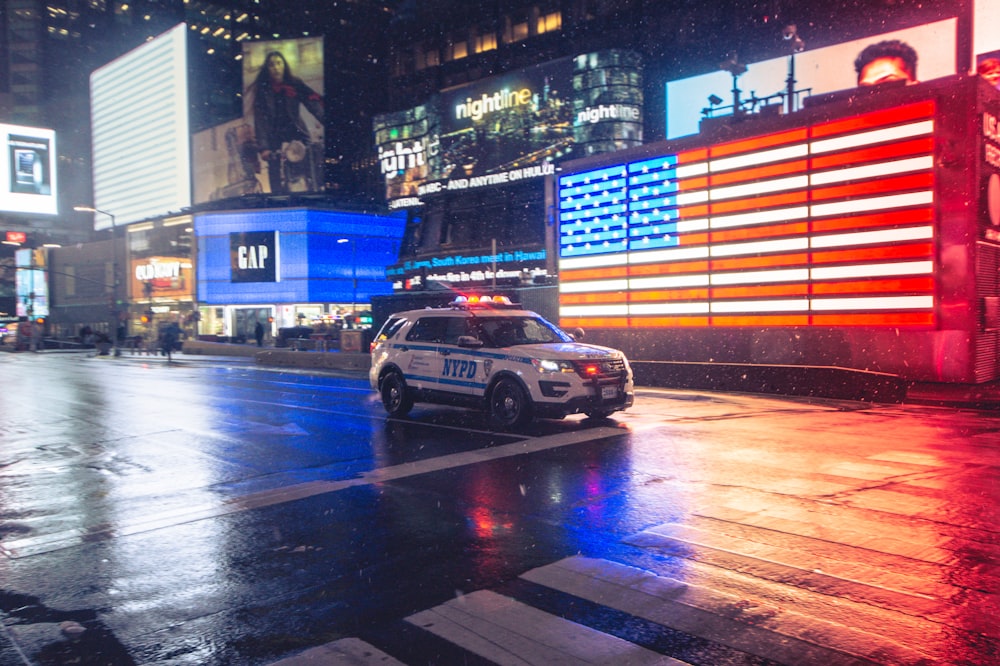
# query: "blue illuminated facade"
{"points": [[319, 256]]}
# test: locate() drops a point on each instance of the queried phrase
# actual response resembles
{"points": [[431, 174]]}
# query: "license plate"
{"points": [[609, 392]]}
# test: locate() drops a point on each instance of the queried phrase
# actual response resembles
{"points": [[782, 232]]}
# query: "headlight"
{"points": [[544, 366]]}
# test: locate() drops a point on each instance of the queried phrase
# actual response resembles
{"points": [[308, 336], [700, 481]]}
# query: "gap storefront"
{"points": [[290, 267]]}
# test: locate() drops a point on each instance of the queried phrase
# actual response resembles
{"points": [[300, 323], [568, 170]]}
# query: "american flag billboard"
{"points": [[827, 224]]}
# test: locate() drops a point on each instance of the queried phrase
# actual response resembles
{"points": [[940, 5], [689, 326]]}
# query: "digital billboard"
{"points": [[817, 72], [141, 135], [511, 127], [31, 283], [278, 145], [28, 170], [827, 224]]}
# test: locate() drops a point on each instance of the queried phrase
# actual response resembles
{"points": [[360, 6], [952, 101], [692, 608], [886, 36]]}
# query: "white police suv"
{"points": [[484, 353]]}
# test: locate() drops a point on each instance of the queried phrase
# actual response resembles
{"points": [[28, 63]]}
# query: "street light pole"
{"points": [[354, 276], [114, 274]]}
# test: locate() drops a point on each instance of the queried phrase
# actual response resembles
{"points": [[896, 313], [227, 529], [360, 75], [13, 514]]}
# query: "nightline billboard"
{"points": [[512, 127]]}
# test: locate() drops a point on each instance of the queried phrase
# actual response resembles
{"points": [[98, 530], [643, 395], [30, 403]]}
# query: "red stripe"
{"points": [[770, 231], [762, 320], [919, 181], [894, 116], [767, 261], [882, 286], [759, 173], [757, 291], [759, 142], [876, 319], [891, 151], [668, 295], [888, 219], [871, 254], [758, 203]]}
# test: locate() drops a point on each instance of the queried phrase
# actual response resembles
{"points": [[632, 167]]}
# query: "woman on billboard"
{"points": [[283, 139]]}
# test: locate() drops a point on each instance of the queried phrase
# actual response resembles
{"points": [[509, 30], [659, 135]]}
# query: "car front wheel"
{"points": [[395, 399], [509, 405]]}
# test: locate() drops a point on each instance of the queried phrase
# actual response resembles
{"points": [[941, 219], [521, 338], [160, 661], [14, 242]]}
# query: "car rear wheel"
{"points": [[509, 405], [395, 398]]}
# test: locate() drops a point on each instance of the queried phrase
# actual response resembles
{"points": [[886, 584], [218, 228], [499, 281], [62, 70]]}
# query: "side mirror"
{"points": [[577, 333], [469, 341]]}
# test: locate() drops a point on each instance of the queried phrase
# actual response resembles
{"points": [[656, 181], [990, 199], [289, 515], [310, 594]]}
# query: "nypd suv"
{"points": [[482, 353]]}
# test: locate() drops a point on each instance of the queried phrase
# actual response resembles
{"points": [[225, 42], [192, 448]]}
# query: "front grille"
{"points": [[600, 368]]}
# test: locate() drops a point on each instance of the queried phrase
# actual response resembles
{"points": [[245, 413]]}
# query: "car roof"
{"points": [[466, 312]]}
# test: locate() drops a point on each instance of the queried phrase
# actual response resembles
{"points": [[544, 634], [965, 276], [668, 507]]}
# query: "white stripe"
{"points": [[783, 245], [691, 170], [874, 136], [593, 310], [593, 261], [690, 198], [663, 282], [694, 307], [878, 303], [759, 157], [506, 631], [870, 237], [788, 305], [674, 254], [760, 187], [592, 285], [761, 217], [685, 226], [873, 203], [923, 163], [873, 270], [753, 277]]}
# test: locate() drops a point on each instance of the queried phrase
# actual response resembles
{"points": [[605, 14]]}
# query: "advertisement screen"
{"points": [[27, 171], [139, 111], [829, 224], [511, 127], [31, 284], [277, 146], [817, 72]]}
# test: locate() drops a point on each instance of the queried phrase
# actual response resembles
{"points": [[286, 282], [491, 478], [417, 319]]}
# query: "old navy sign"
{"points": [[253, 256]]}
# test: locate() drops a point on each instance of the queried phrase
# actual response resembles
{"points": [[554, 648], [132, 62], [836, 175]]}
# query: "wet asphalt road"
{"points": [[219, 513]]}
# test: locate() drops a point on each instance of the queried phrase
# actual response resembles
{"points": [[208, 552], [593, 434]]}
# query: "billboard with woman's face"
{"points": [[278, 145]]}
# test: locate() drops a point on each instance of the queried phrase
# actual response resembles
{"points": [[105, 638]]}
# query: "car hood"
{"points": [[567, 351]]}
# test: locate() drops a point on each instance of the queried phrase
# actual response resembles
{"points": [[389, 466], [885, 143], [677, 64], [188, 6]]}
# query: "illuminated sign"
{"points": [[141, 135], [470, 268], [254, 256], [277, 146], [820, 70], [17, 237], [512, 127], [28, 170], [831, 224]]}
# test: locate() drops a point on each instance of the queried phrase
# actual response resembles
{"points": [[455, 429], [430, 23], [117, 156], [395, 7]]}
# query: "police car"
{"points": [[485, 353]]}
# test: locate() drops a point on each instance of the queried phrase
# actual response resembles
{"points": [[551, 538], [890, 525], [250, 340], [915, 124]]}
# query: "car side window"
{"points": [[390, 328], [457, 327], [428, 329]]}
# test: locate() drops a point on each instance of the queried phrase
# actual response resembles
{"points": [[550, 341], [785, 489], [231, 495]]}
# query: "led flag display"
{"points": [[826, 225]]}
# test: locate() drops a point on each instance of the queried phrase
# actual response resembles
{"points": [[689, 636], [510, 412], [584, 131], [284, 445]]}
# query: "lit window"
{"points": [[486, 42], [549, 22], [519, 32], [459, 50]]}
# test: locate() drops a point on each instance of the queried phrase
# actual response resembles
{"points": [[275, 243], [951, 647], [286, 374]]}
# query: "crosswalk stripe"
{"points": [[706, 613], [344, 652], [509, 632]]}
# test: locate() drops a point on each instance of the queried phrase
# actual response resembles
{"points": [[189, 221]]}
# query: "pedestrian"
{"points": [[258, 333]]}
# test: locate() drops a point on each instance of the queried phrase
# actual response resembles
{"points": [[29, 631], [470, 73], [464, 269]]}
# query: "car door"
{"points": [[461, 367], [424, 365]]}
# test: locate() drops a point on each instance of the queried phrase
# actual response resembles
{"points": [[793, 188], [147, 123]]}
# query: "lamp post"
{"points": [[354, 276], [114, 274]]}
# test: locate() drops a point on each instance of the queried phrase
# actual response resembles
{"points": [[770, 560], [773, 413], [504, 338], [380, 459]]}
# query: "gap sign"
{"points": [[253, 256]]}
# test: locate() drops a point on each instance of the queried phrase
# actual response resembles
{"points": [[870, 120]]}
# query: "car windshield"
{"points": [[510, 331]]}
